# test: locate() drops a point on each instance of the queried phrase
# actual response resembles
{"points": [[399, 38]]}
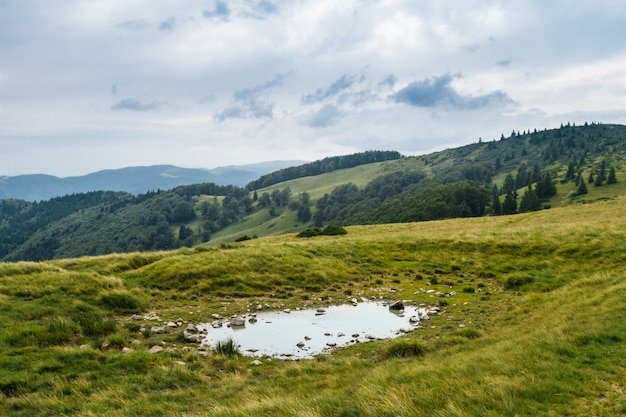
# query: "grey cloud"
{"points": [[250, 103], [504, 62], [133, 25], [135, 105], [326, 116], [389, 81], [437, 91], [221, 11], [266, 7], [342, 84], [168, 24]]}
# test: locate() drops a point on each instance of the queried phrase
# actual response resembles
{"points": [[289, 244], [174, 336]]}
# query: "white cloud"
{"points": [[196, 80]]}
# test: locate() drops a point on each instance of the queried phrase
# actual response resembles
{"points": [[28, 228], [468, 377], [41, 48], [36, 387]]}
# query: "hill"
{"points": [[532, 321], [133, 180], [524, 172]]}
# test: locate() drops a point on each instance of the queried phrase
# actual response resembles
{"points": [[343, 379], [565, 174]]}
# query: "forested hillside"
{"points": [[523, 172]]}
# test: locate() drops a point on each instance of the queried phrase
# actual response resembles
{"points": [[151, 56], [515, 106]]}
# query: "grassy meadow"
{"points": [[537, 325]]}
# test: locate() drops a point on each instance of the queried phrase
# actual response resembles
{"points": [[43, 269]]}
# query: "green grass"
{"points": [[542, 331]]}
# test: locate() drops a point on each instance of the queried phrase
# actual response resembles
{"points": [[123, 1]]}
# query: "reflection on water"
{"points": [[304, 333]]}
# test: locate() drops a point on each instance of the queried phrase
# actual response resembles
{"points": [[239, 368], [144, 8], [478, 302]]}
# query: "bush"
{"points": [[516, 281], [404, 349], [122, 302], [330, 230], [228, 348], [469, 333]]}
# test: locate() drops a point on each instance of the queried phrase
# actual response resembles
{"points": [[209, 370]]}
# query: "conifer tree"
{"points": [[530, 201], [611, 179], [510, 203]]}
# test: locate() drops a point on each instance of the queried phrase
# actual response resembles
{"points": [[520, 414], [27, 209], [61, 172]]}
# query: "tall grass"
{"points": [[542, 332]]}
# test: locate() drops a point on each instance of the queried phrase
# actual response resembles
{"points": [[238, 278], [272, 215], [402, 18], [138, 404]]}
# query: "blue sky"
{"points": [[91, 85]]}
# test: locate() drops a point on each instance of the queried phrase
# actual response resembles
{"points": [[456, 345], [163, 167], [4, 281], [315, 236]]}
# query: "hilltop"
{"points": [[524, 172], [531, 321]]}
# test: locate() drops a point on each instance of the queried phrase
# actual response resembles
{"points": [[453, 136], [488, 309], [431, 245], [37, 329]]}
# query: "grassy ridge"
{"points": [[537, 327]]}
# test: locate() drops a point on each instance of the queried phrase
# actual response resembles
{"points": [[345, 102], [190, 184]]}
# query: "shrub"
{"points": [[469, 333], [243, 238], [330, 230], [227, 347], [514, 282], [122, 302], [404, 349]]}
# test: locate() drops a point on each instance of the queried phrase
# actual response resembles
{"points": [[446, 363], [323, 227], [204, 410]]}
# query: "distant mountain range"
{"points": [[134, 180]]}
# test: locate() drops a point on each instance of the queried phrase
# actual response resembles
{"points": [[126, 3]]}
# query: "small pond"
{"points": [[300, 334]]}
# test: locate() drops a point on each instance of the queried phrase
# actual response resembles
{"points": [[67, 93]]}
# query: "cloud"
{"points": [[438, 92], [336, 87], [135, 105], [221, 11], [168, 24], [504, 62], [389, 81], [133, 25], [324, 117], [266, 7], [250, 103]]}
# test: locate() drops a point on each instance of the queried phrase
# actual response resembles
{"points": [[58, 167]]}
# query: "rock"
{"points": [[127, 350], [307, 338], [180, 321], [370, 337], [287, 310], [259, 307], [137, 317], [398, 305], [354, 301], [158, 329], [85, 347], [340, 334], [237, 322], [414, 319], [256, 362], [300, 344], [191, 337], [155, 349], [331, 344], [180, 363], [192, 328], [171, 324], [216, 324], [252, 320], [216, 316], [355, 335]]}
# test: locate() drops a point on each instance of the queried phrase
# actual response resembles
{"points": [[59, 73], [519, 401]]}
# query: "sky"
{"points": [[103, 84]]}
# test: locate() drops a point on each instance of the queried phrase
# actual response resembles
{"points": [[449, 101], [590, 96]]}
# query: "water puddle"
{"points": [[304, 333]]}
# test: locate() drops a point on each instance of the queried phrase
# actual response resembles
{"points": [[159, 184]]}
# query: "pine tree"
{"points": [[612, 179], [582, 188], [496, 206], [530, 201], [510, 203]]}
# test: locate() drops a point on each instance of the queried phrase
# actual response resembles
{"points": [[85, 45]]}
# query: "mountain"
{"points": [[134, 180], [524, 172]]}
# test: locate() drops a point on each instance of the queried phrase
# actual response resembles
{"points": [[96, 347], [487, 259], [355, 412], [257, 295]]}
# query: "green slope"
{"points": [[537, 325]]}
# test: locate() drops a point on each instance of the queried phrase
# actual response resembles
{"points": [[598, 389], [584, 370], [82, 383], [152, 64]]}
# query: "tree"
{"points": [[582, 188], [183, 212], [496, 205], [510, 203], [611, 179], [530, 201], [304, 214], [545, 187]]}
